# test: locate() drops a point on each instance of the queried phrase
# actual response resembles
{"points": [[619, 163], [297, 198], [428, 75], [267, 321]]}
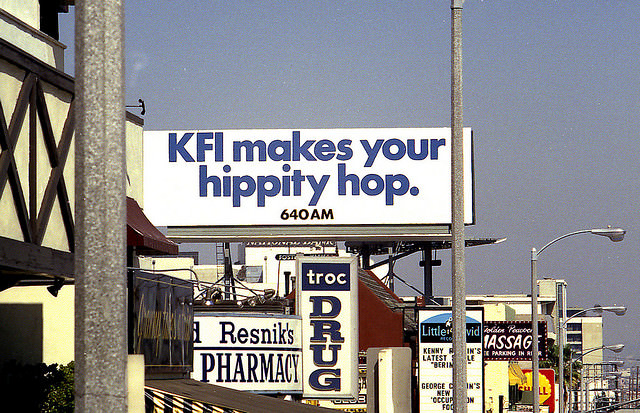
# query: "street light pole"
{"points": [[601, 377], [563, 325], [616, 348], [535, 360], [615, 235], [457, 216]]}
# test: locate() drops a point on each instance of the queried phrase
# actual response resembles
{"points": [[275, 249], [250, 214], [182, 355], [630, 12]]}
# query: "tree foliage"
{"points": [[36, 387], [60, 396], [553, 361]]}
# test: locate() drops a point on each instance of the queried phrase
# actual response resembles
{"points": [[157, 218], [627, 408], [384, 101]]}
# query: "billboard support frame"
{"points": [[288, 233]]}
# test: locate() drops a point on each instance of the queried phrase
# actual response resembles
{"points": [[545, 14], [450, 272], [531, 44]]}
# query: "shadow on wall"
{"points": [[21, 329]]}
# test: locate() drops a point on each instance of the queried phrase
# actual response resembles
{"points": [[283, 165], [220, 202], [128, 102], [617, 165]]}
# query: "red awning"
{"points": [[143, 235]]}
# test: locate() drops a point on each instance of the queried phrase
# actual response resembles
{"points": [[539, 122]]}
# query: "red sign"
{"points": [[546, 382]]}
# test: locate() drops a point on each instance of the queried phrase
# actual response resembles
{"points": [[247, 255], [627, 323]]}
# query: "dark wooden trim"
{"points": [[63, 194], [33, 161], [8, 136], [33, 221], [29, 63], [134, 119], [45, 123], [18, 257], [56, 184], [67, 215], [8, 168]]}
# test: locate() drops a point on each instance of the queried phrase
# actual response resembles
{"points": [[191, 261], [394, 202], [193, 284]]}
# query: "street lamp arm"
{"points": [[584, 353], [582, 231], [614, 234], [615, 310], [616, 348], [579, 313]]}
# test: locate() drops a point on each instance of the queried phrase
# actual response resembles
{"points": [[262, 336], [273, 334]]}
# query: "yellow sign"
{"points": [[545, 386]]}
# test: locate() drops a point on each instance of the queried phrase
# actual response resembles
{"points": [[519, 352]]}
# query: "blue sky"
{"points": [[551, 90]]}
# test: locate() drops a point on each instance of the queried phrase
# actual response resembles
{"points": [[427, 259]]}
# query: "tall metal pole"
{"points": [[457, 216], [615, 235], [570, 405], [561, 361], [583, 387], [100, 209], [535, 366], [562, 328]]}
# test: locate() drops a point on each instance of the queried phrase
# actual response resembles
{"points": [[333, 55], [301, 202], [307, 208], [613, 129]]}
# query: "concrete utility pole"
{"points": [[100, 209], [457, 216]]}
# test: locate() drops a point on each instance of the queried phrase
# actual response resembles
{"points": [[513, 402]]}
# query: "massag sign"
{"points": [[289, 177]]}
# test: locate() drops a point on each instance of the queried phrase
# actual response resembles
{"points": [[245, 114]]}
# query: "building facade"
{"points": [[37, 184]]}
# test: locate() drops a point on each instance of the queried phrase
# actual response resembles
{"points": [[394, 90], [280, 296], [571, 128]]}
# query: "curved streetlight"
{"points": [[619, 311], [615, 235], [616, 348], [614, 375]]}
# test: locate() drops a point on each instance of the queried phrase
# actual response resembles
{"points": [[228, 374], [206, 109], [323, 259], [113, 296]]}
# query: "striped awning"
{"points": [[192, 396], [157, 401]]}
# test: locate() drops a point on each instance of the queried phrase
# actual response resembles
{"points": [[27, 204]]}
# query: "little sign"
{"points": [[435, 363]]}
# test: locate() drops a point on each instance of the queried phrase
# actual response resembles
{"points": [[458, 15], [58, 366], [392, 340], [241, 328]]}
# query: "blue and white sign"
{"points": [[327, 301], [311, 177], [435, 360], [253, 352]]}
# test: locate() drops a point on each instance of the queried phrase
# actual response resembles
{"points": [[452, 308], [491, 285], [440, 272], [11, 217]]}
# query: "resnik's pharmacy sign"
{"points": [[311, 177], [252, 352], [327, 301]]}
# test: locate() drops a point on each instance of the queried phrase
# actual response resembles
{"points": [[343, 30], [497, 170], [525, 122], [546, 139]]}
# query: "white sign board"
{"points": [[252, 352], [356, 405], [310, 177], [327, 301], [435, 349]]}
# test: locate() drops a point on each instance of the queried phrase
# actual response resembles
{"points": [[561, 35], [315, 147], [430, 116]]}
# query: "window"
{"points": [[254, 274], [572, 338], [574, 327]]}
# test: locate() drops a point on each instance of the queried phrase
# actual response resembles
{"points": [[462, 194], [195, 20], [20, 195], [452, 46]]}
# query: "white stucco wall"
{"points": [[26, 10], [134, 162], [20, 25], [57, 319]]}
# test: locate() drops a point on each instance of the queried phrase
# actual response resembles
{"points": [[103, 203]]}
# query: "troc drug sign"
{"points": [[293, 177], [327, 301]]}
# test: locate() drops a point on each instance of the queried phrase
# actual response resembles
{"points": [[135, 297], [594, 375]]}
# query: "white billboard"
{"points": [[253, 352], [435, 360], [327, 301], [302, 177]]}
